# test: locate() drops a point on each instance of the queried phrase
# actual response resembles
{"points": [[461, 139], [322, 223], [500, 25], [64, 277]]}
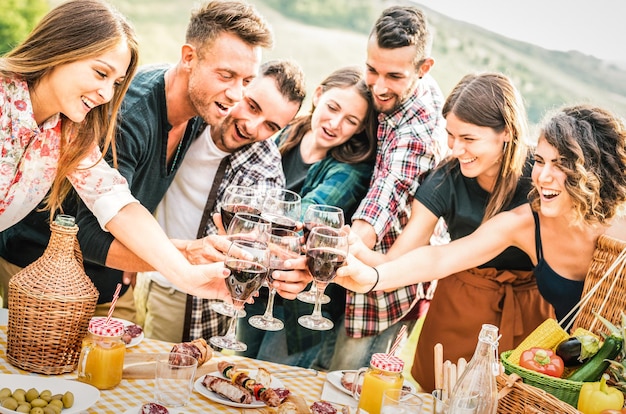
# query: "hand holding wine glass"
{"points": [[319, 215], [248, 262], [283, 245], [243, 226], [326, 251]]}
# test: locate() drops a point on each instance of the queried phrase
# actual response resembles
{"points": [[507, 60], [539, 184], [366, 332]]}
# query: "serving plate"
{"points": [[137, 410], [85, 395], [276, 383]]}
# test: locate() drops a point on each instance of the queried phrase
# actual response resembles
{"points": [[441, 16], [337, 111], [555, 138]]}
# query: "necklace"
{"points": [[175, 160]]}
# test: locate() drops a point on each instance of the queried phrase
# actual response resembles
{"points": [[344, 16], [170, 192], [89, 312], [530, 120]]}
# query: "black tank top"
{"points": [[563, 294]]}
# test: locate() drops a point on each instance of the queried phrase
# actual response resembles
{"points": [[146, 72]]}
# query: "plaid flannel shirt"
{"points": [[410, 143], [256, 166]]}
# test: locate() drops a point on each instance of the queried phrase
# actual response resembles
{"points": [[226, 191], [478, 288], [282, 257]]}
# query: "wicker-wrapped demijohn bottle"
{"points": [[50, 304]]}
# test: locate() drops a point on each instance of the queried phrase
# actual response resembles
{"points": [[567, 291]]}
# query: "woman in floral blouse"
{"points": [[60, 91]]}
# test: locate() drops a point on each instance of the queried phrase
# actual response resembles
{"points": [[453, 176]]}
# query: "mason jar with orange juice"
{"points": [[101, 359], [384, 373]]}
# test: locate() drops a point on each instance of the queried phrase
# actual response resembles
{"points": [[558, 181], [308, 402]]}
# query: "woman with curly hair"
{"points": [[578, 194]]}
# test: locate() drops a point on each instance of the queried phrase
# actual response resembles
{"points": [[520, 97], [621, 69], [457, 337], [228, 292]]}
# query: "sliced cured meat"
{"points": [[153, 408], [198, 348], [227, 389], [323, 407]]}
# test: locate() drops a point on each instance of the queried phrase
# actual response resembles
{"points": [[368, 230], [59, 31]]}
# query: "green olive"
{"points": [[56, 403], [31, 394], [5, 392], [46, 395], [9, 403], [51, 409], [37, 410], [68, 399], [57, 397], [19, 395], [23, 408], [38, 402]]}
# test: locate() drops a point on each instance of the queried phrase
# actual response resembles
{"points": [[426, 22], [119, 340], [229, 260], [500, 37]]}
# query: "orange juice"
{"points": [[384, 373], [101, 359]]}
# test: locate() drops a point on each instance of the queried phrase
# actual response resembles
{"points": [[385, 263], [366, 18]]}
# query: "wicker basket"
{"points": [[515, 397], [605, 286], [50, 304]]}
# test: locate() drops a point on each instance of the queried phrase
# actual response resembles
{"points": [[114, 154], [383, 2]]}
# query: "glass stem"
{"points": [[313, 289], [269, 309], [319, 294], [232, 327]]}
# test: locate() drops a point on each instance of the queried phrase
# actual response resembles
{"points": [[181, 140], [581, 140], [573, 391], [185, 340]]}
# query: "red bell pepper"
{"points": [[542, 360]]}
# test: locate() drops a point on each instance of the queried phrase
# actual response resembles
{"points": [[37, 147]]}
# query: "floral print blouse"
{"points": [[28, 162]]}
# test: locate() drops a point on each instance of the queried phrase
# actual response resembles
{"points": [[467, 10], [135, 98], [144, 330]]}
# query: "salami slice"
{"points": [[153, 408]]}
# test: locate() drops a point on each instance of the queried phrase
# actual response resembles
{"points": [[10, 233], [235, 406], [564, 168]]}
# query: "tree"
{"points": [[17, 19]]}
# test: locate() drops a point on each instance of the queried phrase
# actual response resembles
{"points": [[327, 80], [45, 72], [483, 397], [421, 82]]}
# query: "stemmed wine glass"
{"points": [[243, 226], [319, 215], [283, 245], [326, 250], [239, 199], [246, 276], [282, 208]]}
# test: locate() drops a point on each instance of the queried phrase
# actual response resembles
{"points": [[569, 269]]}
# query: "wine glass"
{"points": [[239, 199], [319, 215], [246, 276], [326, 250], [243, 226], [283, 245], [282, 208]]}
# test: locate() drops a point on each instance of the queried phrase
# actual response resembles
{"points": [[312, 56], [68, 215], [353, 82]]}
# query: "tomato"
{"points": [[542, 360]]}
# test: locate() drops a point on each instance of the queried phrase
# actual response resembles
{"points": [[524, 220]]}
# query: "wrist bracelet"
{"points": [[377, 280]]}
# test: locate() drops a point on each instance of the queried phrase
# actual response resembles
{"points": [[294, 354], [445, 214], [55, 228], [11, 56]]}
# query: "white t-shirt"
{"points": [[180, 211]]}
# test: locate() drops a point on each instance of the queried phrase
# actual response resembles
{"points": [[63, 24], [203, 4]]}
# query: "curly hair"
{"points": [[591, 142]]}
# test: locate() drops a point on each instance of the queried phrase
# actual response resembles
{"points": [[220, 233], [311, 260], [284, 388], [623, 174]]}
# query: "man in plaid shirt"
{"points": [[411, 134]]}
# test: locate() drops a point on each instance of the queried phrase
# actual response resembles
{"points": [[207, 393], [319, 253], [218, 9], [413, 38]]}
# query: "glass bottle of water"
{"points": [[476, 391]]}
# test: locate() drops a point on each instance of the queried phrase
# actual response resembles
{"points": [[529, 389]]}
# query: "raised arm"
{"points": [[428, 263]]}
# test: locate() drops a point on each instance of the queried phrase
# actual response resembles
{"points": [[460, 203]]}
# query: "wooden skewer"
{"points": [[446, 380], [452, 376], [438, 368], [460, 367]]}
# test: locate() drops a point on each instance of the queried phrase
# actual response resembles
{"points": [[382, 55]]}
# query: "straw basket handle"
{"points": [[613, 286]]}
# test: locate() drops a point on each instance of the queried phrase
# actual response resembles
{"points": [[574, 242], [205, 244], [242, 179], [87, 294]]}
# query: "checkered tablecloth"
{"points": [[133, 393]]}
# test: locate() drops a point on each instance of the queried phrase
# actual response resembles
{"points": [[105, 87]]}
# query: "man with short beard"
{"points": [[411, 136], [240, 149]]}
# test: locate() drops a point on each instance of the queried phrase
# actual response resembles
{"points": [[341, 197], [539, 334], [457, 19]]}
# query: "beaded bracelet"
{"points": [[377, 279]]}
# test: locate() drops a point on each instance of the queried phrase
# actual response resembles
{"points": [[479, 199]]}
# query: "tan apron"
{"points": [[508, 299]]}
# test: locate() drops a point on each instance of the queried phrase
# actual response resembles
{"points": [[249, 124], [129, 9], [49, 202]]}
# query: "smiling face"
{"points": [[391, 75], [479, 150], [262, 112], [75, 88], [549, 180], [339, 114], [218, 75]]}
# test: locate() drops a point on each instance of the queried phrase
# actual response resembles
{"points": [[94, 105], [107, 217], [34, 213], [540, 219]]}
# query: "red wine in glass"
{"points": [[245, 278], [228, 211], [280, 222], [323, 263]]}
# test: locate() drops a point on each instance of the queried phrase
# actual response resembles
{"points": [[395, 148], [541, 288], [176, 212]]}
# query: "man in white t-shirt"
{"points": [[250, 159]]}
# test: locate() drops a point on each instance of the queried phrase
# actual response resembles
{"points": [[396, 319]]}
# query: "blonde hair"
{"points": [[72, 31]]}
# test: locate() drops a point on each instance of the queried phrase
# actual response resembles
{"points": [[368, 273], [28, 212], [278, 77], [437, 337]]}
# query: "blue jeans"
{"points": [[355, 353]]}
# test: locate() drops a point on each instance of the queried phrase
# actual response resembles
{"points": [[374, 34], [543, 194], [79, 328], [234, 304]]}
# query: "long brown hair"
{"points": [[491, 100], [362, 145], [75, 30]]}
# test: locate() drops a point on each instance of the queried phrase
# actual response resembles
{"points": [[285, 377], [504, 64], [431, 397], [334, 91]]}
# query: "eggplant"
{"points": [[576, 350]]}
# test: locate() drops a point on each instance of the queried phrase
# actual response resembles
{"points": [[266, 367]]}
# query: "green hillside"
{"points": [[546, 78]]}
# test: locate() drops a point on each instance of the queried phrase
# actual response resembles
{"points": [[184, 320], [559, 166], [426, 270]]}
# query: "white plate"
{"points": [[85, 395], [137, 410], [276, 383], [334, 377], [135, 341]]}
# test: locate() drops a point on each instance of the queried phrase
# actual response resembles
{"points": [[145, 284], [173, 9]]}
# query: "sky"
{"points": [[593, 27]]}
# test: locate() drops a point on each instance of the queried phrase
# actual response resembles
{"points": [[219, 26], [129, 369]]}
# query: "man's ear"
{"points": [[425, 66], [188, 55]]}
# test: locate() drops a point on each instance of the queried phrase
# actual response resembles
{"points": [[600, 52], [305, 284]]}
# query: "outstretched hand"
{"points": [[206, 281], [209, 249], [355, 275], [289, 283]]}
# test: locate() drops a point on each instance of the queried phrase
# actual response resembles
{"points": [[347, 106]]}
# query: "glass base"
{"points": [[226, 309], [266, 324], [316, 323], [308, 296], [226, 342]]}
